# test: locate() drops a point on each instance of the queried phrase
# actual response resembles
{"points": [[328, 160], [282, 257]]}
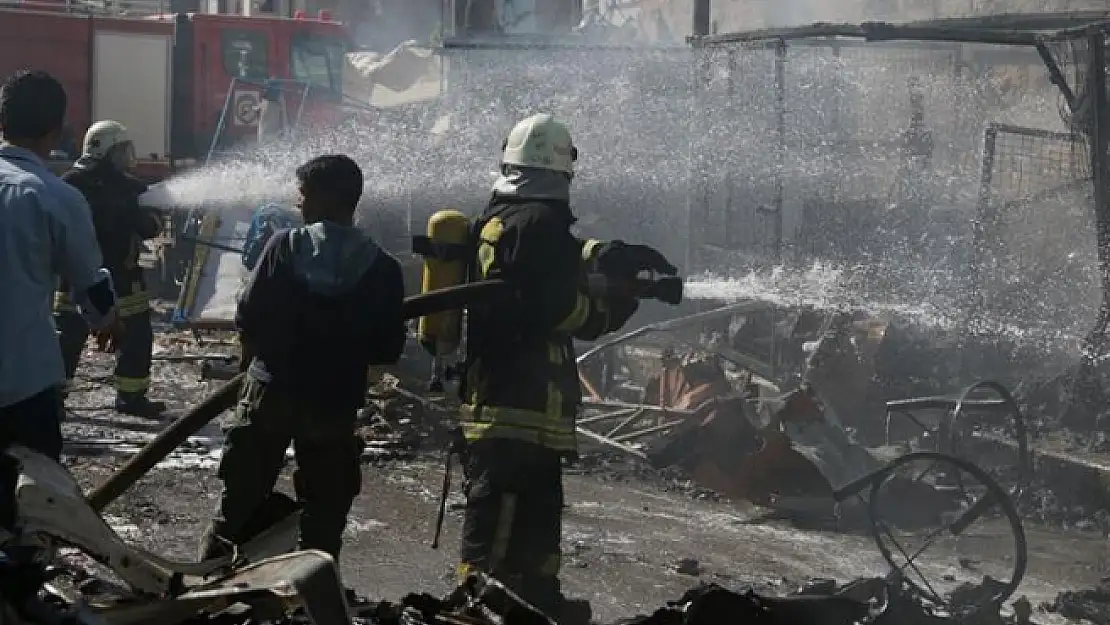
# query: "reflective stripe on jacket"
{"points": [[521, 378]]}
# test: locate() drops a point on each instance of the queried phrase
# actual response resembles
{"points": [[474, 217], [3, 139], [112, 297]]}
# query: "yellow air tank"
{"points": [[448, 234]]}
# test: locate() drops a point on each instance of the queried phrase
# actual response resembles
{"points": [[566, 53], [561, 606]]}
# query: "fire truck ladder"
{"points": [[230, 106]]}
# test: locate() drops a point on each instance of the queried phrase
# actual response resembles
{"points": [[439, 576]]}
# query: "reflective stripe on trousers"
{"points": [[550, 428]]}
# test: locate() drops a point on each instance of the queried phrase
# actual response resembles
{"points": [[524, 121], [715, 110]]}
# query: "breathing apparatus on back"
{"points": [[537, 163]]}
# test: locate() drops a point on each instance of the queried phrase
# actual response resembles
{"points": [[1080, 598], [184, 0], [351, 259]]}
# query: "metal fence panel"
{"points": [[735, 152], [877, 160], [1037, 245]]}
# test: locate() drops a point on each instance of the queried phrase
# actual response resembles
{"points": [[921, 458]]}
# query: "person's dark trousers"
{"points": [[133, 358], [132, 374], [35, 423], [328, 476], [73, 333], [513, 520]]}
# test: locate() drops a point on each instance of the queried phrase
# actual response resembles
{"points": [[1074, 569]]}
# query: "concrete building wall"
{"points": [[740, 15]]}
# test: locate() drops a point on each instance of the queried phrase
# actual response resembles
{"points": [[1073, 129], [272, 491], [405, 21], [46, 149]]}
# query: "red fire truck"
{"points": [[169, 78]]}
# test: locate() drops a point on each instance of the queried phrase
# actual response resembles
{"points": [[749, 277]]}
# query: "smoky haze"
{"points": [[873, 157]]}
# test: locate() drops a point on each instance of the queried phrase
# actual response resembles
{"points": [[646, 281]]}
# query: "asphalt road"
{"points": [[622, 541]]}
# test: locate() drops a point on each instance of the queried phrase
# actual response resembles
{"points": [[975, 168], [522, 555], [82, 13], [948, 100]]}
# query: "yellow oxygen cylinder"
{"points": [[444, 266]]}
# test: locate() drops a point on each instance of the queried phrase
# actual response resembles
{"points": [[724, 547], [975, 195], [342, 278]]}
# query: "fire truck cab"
{"points": [[171, 77], [299, 51]]}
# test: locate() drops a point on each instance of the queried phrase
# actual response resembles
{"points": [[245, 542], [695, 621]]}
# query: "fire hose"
{"points": [[225, 397], [449, 298]]}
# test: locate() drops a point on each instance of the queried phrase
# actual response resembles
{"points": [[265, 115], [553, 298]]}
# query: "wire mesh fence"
{"points": [[876, 144], [888, 155], [1037, 253]]}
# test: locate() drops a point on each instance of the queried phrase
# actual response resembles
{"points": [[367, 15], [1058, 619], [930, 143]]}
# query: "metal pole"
{"points": [[222, 123], [780, 155], [986, 215], [702, 17], [1087, 394], [1100, 152], [699, 56], [985, 211]]}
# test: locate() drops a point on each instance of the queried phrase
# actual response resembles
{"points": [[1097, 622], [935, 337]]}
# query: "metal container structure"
{"points": [[895, 147]]}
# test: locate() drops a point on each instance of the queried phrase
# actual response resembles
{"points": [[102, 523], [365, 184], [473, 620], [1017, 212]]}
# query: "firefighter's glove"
{"points": [[620, 261]]}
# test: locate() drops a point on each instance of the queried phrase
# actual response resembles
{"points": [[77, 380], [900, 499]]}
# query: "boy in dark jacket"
{"points": [[323, 304]]}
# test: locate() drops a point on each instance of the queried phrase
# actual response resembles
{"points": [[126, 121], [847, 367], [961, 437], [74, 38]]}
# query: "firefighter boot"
{"points": [[137, 404]]}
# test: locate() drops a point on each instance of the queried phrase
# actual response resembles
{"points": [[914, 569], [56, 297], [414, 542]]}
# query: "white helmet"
{"points": [[102, 137], [541, 142]]}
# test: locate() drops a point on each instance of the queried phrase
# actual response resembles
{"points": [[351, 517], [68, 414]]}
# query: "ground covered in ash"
{"points": [[633, 537]]}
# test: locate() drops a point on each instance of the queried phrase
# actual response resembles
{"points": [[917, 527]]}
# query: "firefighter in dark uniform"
{"points": [[520, 389], [101, 175]]}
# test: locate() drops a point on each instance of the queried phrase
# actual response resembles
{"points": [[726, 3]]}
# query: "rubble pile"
{"points": [[880, 601], [1092, 604], [696, 423], [828, 408]]}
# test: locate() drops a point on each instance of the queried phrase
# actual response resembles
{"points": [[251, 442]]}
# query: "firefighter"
{"points": [[520, 388], [101, 175], [323, 304]]}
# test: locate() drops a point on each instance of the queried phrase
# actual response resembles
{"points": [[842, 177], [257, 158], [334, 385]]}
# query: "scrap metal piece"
{"points": [[51, 506], [965, 603], [264, 575], [956, 430], [277, 586]]}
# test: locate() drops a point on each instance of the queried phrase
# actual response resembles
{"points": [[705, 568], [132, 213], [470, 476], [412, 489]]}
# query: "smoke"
{"points": [[696, 166]]}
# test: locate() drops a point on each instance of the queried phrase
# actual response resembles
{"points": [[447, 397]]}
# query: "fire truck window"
{"points": [[246, 54], [319, 62]]}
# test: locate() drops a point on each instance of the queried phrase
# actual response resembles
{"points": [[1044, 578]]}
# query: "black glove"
{"points": [[620, 260], [621, 310]]}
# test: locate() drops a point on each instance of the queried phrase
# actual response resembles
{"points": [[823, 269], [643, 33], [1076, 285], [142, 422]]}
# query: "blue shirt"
{"points": [[46, 231]]}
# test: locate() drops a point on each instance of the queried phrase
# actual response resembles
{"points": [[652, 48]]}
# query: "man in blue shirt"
{"points": [[46, 232]]}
